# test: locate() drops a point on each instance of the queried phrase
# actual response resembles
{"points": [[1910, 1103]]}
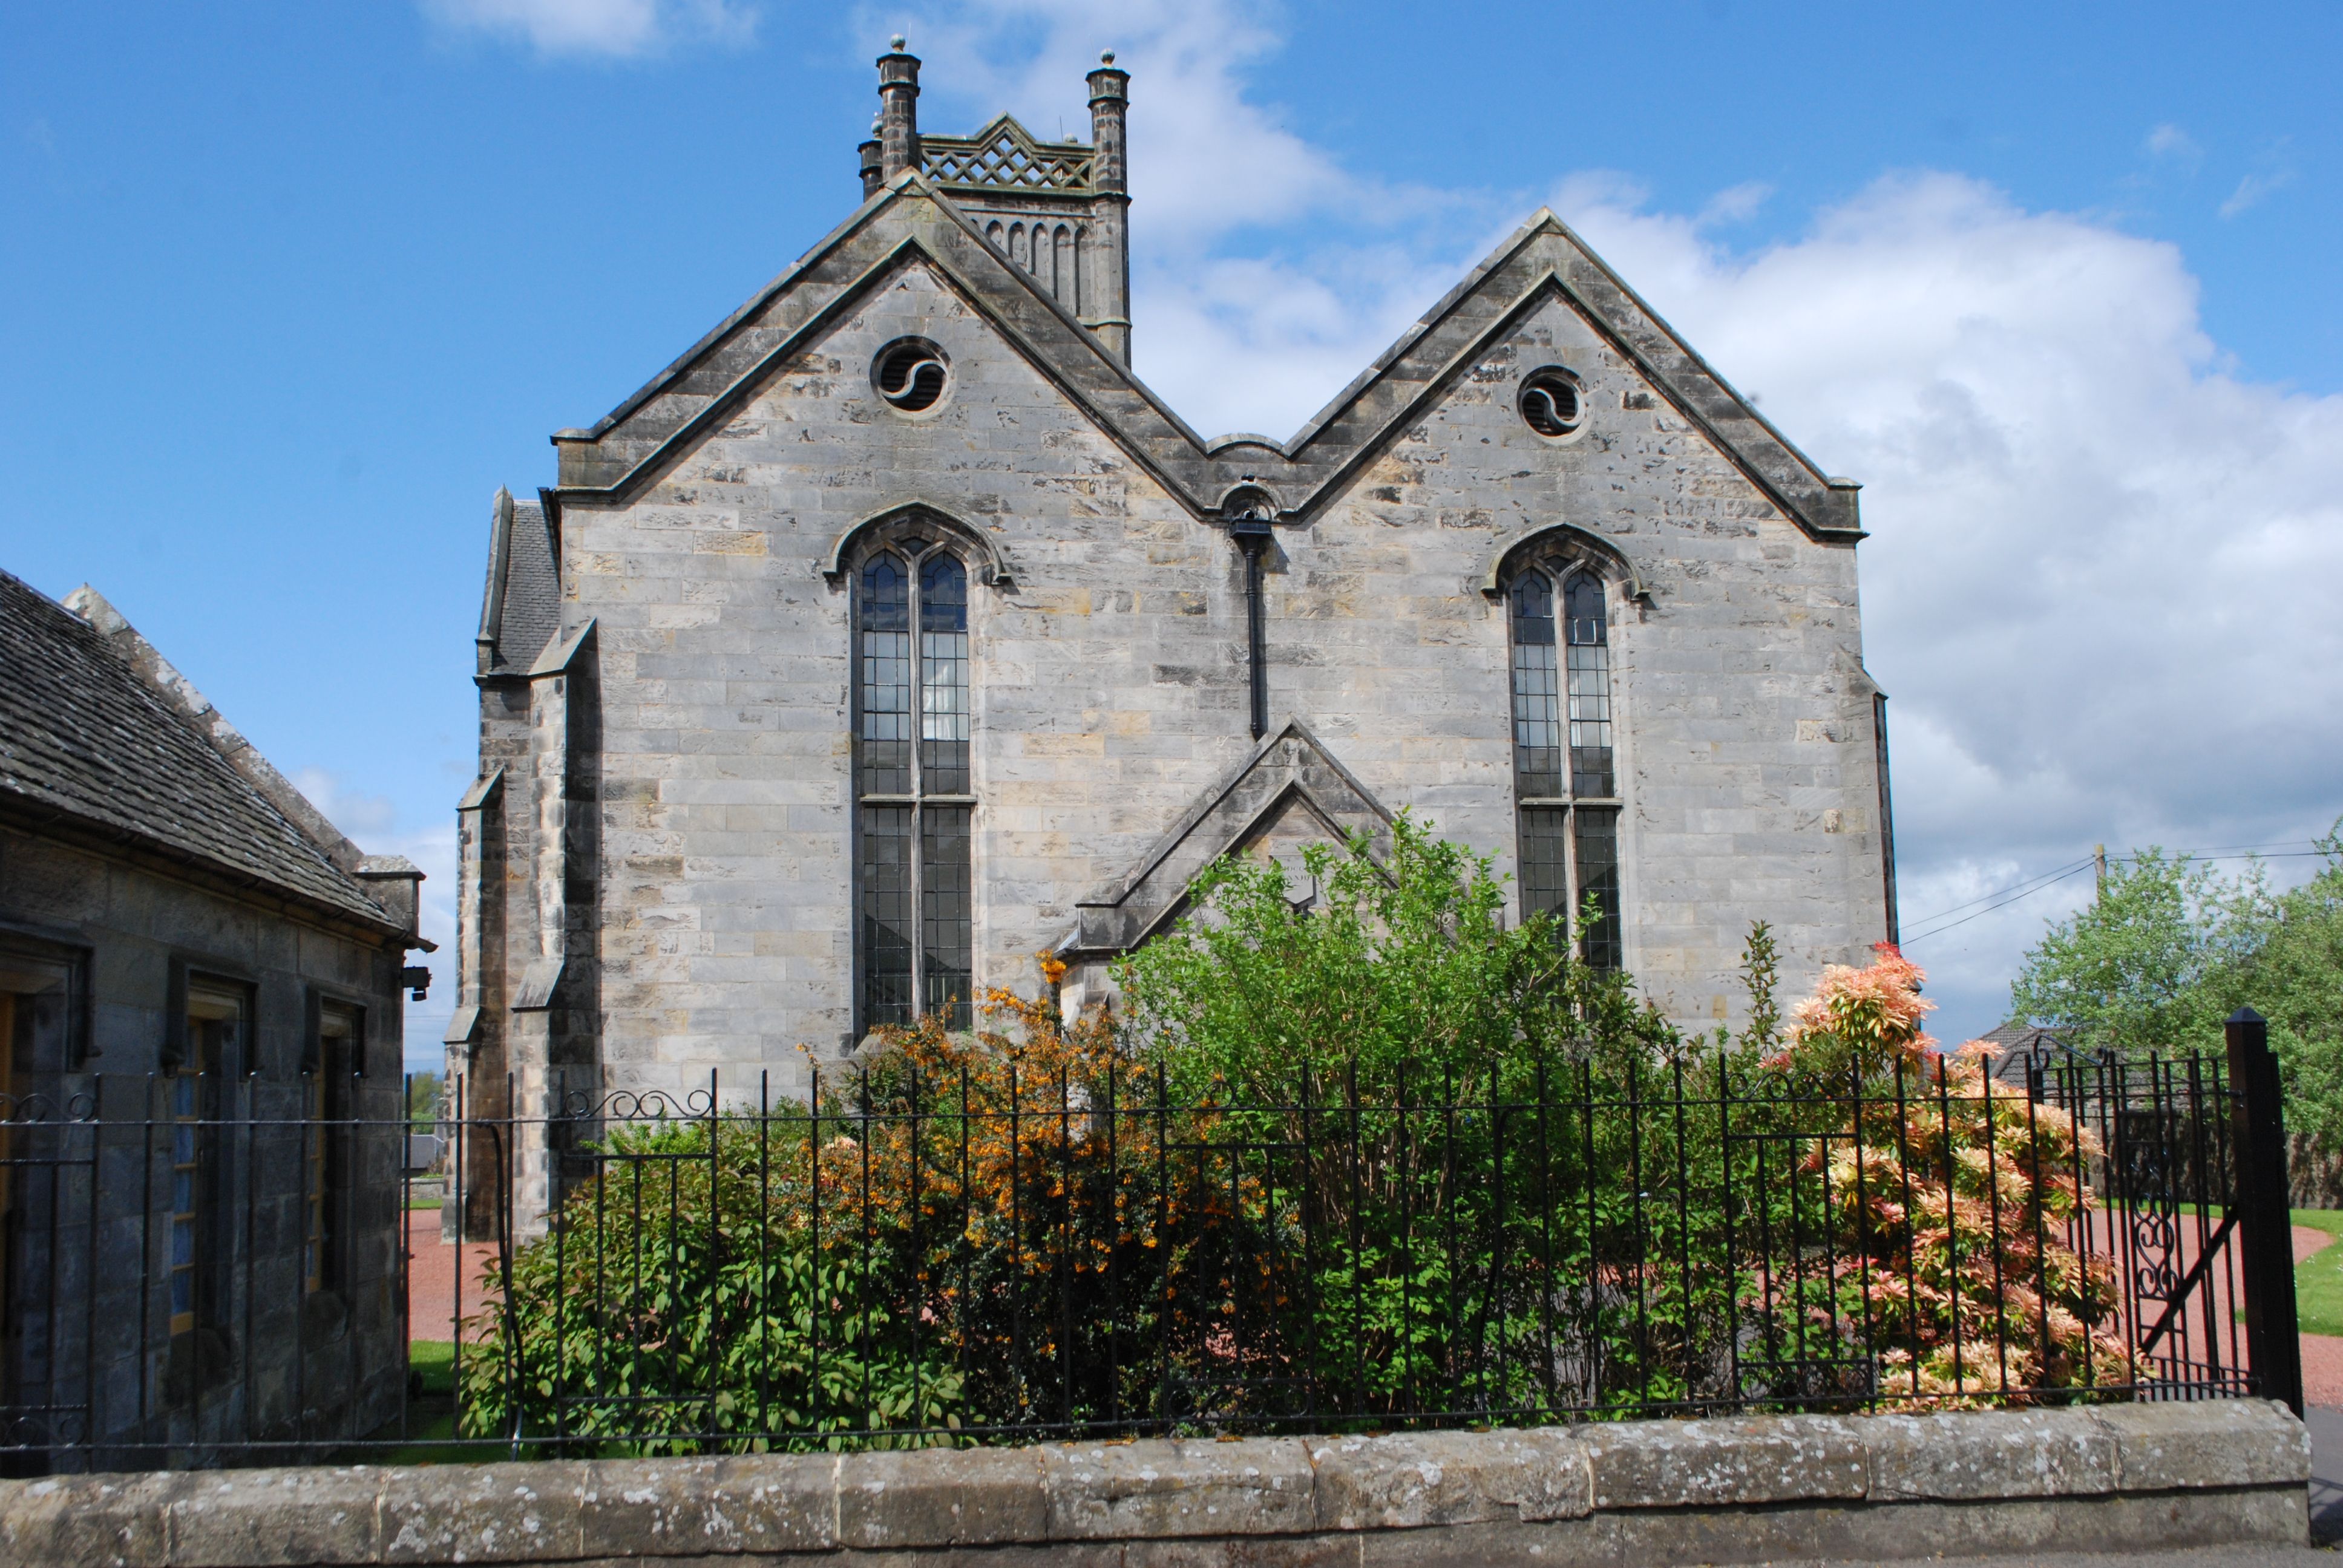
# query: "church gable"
{"points": [[844, 435], [1475, 469], [927, 638], [1288, 792], [1006, 220], [1544, 264]]}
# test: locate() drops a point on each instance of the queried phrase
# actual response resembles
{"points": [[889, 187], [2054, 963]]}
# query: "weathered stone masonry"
{"points": [[662, 852], [2120, 1478]]}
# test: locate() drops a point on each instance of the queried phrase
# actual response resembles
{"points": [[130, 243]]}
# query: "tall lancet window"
{"points": [[912, 787], [1564, 780]]}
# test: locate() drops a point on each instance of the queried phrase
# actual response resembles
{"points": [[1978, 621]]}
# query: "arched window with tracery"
{"points": [[913, 800], [1565, 781]]}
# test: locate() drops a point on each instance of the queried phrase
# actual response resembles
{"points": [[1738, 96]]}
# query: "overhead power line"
{"points": [[2001, 898], [2088, 863]]}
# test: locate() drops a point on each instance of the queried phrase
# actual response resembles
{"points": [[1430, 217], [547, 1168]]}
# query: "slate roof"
{"points": [[84, 734], [2018, 1042], [522, 609]]}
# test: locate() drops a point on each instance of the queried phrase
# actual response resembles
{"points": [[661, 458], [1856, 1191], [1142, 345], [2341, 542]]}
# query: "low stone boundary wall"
{"points": [[1634, 1495]]}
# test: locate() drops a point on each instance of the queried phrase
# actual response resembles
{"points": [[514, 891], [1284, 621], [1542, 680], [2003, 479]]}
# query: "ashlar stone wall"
{"points": [[1109, 676]]}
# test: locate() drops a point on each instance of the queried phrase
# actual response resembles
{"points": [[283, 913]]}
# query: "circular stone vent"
{"points": [[1551, 402], [911, 375]]}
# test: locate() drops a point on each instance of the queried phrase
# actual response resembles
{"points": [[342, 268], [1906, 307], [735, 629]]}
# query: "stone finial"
{"points": [[898, 117]]}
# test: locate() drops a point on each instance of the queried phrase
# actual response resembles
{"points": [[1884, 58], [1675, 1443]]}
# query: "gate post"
{"points": [[2266, 1224]]}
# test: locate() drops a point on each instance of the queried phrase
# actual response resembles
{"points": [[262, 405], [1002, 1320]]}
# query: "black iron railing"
{"points": [[909, 1256]]}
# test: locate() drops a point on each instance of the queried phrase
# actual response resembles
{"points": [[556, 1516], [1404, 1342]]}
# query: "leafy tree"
{"points": [[2134, 971], [2170, 949], [2290, 970]]}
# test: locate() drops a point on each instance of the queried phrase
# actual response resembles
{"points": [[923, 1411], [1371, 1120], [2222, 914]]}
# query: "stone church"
{"points": [[898, 632]]}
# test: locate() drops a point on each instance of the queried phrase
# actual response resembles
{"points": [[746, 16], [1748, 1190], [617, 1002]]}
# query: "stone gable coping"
{"points": [[2117, 1477], [1290, 764], [911, 219]]}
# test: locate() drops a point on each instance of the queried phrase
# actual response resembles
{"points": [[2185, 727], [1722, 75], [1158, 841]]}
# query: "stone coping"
{"points": [[2104, 1478]]}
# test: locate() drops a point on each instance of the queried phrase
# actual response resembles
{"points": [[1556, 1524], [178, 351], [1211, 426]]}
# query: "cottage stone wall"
{"points": [[269, 1362], [1108, 678]]}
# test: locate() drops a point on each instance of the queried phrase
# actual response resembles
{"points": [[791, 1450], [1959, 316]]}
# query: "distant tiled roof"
{"points": [[84, 734], [2020, 1041], [524, 599]]}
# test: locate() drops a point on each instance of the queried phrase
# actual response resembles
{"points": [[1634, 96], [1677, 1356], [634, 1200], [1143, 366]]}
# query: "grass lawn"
{"points": [[2318, 1279]]}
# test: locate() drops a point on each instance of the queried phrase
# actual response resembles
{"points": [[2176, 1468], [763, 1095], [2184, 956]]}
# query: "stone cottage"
{"points": [[200, 1006], [898, 632]]}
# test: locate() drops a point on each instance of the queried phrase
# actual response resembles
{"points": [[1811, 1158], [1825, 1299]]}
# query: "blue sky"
{"points": [[286, 291]]}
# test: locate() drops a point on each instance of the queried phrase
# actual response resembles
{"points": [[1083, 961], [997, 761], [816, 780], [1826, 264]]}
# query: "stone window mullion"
{"points": [[912, 787], [1565, 783]]}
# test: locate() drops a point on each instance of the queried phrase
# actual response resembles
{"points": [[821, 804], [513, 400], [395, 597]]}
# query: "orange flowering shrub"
{"points": [[1054, 1223], [1867, 1018], [1954, 1200]]}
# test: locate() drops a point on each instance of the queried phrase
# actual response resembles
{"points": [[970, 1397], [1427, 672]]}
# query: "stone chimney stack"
{"points": [[899, 112], [873, 164], [1109, 97]]}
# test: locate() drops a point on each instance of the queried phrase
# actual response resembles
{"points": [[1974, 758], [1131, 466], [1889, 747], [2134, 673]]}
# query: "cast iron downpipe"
{"points": [[1251, 533]]}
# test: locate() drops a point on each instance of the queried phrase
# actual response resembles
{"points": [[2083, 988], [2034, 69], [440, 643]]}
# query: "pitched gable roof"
{"points": [[86, 736], [911, 219]]}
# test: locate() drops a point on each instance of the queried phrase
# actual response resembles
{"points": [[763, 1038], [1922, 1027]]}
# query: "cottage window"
{"points": [[212, 1045], [915, 802], [325, 1151], [1566, 782]]}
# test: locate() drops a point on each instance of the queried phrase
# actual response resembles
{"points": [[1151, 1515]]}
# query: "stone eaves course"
{"points": [[90, 739], [2117, 1478], [910, 222]]}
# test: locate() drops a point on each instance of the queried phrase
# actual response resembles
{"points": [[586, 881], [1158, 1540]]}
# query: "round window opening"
{"points": [[1552, 402], [911, 375]]}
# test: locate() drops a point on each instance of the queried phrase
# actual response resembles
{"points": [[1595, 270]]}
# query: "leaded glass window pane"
{"points": [[943, 676], [886, 676], [917, 947], [946, 927], [1537, 714], [1597, 853], [1545, 871], [1589, 691], [886, 915], [1569, 849]]}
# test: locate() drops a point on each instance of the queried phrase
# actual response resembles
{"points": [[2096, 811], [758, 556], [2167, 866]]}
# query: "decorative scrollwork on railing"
{"points": [[38, 1110], [2150, 1153], [637, 1105]]}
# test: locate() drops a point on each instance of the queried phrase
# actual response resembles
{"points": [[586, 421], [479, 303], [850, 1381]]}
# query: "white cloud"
{"points": [[371, 822], [2252, 189], [2169, 141], [1211, 289], [2098, 583], [608, 27], [1735, 203], [356, 814]]}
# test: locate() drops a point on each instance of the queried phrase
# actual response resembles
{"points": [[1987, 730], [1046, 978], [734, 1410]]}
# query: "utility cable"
{"points": [[2001, 898]]}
